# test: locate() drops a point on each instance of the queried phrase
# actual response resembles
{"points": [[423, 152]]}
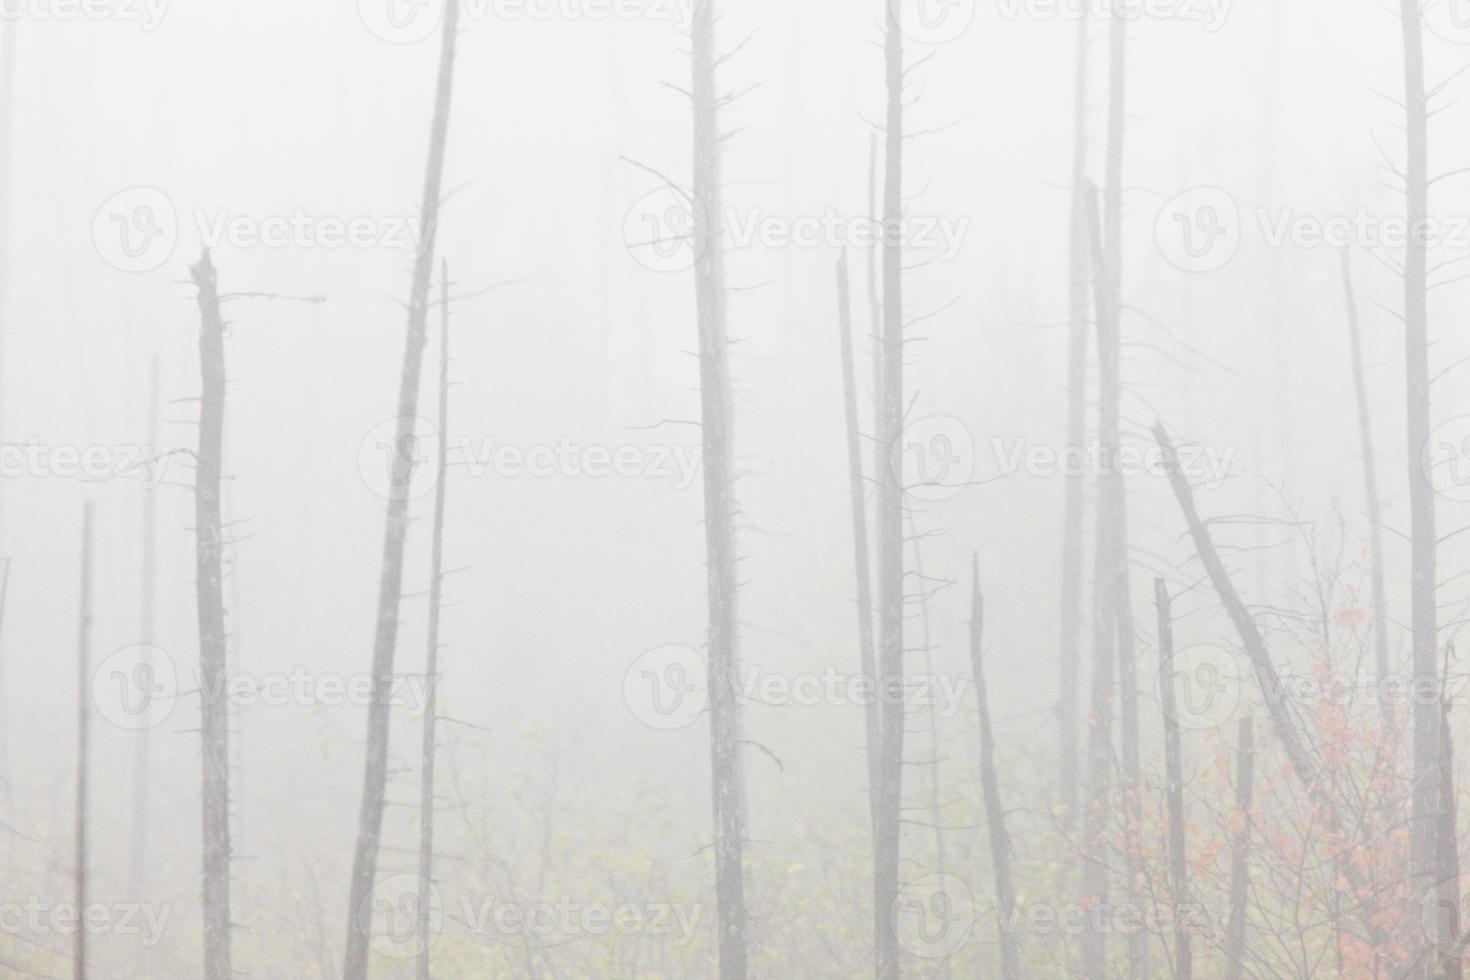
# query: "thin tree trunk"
{"points": [[1174, 784], [1424, 817], [859, 527], [84, 694], [1114, 508], [1096, 876], [390, 588], [886, 849], [1240, 849], [875, 289], [1451, 967], [431, 671], [213, 664], [1303, 764], [1068, 707], [1370, 488], [142, 741], [995, 816], [7, 124], [722, 578]]}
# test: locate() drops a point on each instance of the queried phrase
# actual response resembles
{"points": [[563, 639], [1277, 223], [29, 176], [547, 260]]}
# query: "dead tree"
{"points": [[859, 525], [1303, 762], [721, 558], [431, 670], [390, 587], [1068, 707], [7, 122], [1240, 847], [1424, 817], [1370, 492], [886, 838], [995, 817], [213, 664], [138, 845], [84, 710], [1174, 783], [1451, 966], [1114, 592]]}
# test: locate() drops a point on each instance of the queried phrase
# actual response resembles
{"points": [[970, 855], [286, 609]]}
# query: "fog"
{"points": [[641, 212]]}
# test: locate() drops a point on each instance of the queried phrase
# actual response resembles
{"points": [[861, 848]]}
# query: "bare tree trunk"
{"points": [[1451, 967], [431, 671], [859, 526], [890, 524], [213, 665], [1068, 708], [390, 588], [1303, 763], [84, 708], [1095, 869], [1174, 784], [995, 816], [7, 123], [1423, 617], [1370, 488], [142, 741], [1240, 848], [721, 559], [1114, 507]]}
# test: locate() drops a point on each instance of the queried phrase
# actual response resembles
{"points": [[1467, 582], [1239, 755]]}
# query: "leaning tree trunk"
{"points": [[142, 744], [208, 570], [1240, 850], [1068, 723], [431, 670], [995, 815], [859, 527], [1424, 815], [1303, 763], [722, 578], [84, 695], [1174, 783], [390, 586], [890, 524]]}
